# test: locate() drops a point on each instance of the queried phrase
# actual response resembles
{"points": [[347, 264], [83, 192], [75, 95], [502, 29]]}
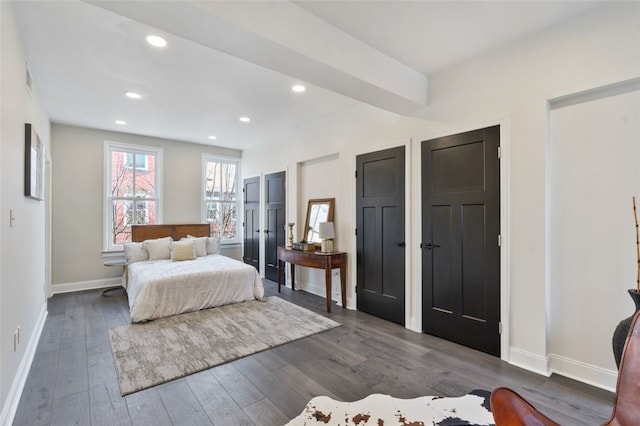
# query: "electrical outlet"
{"points": [[335, 273]]}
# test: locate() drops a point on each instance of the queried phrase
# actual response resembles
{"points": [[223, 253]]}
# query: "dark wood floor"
{"points": [[73, 381]]}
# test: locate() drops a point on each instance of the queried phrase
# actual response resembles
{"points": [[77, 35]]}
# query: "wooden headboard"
{"points": [[149, 232]]}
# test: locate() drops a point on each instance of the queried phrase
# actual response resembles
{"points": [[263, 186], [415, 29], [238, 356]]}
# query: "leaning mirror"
{"points": [[319, 210]]}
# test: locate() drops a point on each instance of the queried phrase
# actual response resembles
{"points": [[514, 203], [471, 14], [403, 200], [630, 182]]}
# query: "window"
{"points": [[139, 160], [132, 191], [220, 192], [136, 214]]}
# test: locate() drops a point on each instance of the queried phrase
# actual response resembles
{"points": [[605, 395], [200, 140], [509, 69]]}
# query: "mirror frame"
{"points": [[331, 202]]}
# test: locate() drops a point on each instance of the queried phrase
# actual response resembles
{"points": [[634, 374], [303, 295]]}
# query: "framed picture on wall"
{"points": [[33, 163]]}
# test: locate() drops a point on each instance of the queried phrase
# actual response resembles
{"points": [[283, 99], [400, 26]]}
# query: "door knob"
{"points": [[428, 245], [400, 244], [266, 231]]}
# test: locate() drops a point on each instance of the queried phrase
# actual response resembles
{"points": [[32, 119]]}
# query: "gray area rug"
{"points": [[151, 353]]}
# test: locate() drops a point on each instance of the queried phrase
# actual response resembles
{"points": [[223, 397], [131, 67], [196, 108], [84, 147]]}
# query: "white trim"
{"points": [[289, 185], [85, 285], [583, 372], [505, 220], [529, 361], [156, 151], [15, 393], [548, 279], [262, 262], [206, 157], [414, 271], [571, 368], [410, 291], [505, 232], [313, 288], [230, 246], [48, 225], [112, 254], [243, 236], [291, 198], [410, 318], [578, 370], [613, 89], [319, 289]]}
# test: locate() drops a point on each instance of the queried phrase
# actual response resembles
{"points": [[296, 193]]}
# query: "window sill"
{"points": [[112, 254], [229, 245]]}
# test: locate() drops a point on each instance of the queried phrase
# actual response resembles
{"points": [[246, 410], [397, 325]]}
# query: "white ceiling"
{"points": [[227, 59]]}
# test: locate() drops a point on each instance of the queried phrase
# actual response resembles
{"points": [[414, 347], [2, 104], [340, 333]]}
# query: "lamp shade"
{"points": [[326, 231]]}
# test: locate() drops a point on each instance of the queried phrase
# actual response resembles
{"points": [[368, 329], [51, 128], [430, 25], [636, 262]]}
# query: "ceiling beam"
{"points": [[286, 38]]}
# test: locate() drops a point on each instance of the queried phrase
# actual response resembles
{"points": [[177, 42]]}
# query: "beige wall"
{"points": [[594, 152], [22, 246], [510, 86], [317, 179], [77, 180]]}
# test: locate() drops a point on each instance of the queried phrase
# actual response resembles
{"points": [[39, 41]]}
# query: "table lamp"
{"points": [[327, 235]]}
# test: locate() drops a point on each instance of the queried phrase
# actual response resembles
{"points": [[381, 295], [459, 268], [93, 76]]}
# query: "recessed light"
{"points": [[156, 41], [212, 137], [133, 95], [299, 88], [244, 119], [121, 122]]}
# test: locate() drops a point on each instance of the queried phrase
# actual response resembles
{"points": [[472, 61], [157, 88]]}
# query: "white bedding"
{"points": [[163, 288]]}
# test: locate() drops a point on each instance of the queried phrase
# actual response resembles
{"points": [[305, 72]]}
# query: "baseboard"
{"points": [[15, 393], [583, 372], [529, 361], [319, 290], [571, 368], [85, 285]]}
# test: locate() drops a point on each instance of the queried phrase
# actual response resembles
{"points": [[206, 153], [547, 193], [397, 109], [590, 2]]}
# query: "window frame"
{"points": [[206, 158], [131, 165], [107, 220]]}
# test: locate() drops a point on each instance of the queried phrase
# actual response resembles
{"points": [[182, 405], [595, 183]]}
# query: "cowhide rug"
{"points": [[384, 410]]}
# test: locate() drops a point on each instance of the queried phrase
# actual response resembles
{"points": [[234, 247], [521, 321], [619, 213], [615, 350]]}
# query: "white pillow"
{"points": [[213, 245], [135, 252], [183, 250], [200, 244], [159, 249]]}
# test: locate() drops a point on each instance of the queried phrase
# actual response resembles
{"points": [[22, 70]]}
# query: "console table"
{"points": [[319, 260]]}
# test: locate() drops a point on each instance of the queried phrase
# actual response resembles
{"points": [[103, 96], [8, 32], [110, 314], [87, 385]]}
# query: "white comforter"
{"points": [[163, 288]]}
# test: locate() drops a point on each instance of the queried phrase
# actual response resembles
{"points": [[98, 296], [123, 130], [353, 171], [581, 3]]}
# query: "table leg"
{"points": [[327, 280], [343, 285], [279, 274], [293, 276]]}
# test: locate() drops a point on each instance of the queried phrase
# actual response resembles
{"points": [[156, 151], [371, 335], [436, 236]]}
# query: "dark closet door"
{"points": [[380, 199], [460, 238], [274, 232], [251, 225]]}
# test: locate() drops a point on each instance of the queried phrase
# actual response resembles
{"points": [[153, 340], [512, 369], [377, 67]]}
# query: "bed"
{"points": [[160, 286]]}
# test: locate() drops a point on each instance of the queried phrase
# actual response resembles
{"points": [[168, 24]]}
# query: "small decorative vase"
{"points": [[290, 235], [621, 331]]}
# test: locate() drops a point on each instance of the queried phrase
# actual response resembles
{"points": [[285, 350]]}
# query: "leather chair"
{"points": [[511, 409]]}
